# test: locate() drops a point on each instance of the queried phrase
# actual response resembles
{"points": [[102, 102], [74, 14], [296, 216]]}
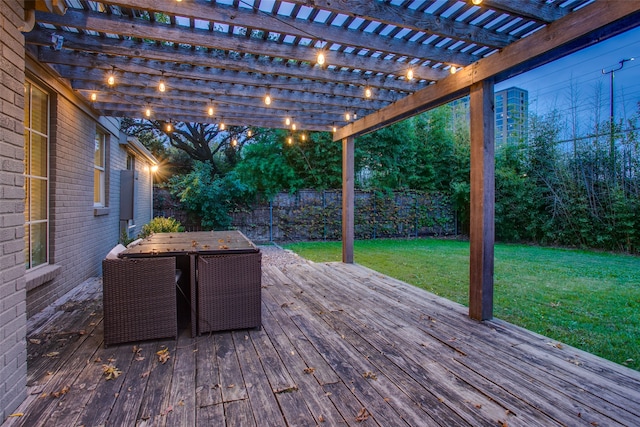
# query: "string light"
{"points": [[303, 137], [290, 140], [234, 142], [111, 78], [154, 168], [320, 59], [334, 129], [287, 119], [210, 109], [169, 127], [476, 2], [147, 111], [293, 126], [347, 116], [368, 92], [93, 97], [267, 97], [222, 125], [453, 69], [162, 86], [355, 116], [410, 74]]}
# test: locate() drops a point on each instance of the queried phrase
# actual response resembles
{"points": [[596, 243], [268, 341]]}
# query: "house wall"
{"points": [[13, 351], [79, 234]]}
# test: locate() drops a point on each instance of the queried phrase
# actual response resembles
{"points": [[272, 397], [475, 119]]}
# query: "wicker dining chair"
{"points": [[139, 299], [229, 292]]}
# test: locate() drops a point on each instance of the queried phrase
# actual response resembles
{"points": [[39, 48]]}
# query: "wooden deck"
{"points": [[340, 345]]}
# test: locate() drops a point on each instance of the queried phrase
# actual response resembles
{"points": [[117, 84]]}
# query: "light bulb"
{"points": [[410, 74], [347, 116], [290, 140], [161, 86], [303, 137], [234, 142], [267, 99], [321, 58], [293, 126], [287, 121], [210, 111], [94, 97], [453, 69], [249, 133], [335, 129], [147, 112], [476, 2], [154, 168], [111, 80], [368, 92], [222, 126], [169, 127]]}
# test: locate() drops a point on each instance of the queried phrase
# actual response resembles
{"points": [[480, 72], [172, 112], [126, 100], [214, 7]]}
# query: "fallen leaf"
{"points": [[163, 355], [110, 371], [370, 375], [166, 411], [231, 386], [34, 341], [309, 370], [362, 415], [17, 414], [145, 374], [52, 354], [97, 360], [181, 402], [64, 390], [478, 405], [320, 419]]}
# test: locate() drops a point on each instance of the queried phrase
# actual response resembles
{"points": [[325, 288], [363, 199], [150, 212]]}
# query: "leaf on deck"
{"points": [[163, 355], [363, 415], [110, 371]]}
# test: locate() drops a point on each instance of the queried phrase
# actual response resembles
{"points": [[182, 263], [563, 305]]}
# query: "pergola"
{"points": [[384, 61]]}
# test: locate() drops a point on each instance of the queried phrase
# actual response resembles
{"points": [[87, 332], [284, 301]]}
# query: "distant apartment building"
{"points": [[511, 115]]}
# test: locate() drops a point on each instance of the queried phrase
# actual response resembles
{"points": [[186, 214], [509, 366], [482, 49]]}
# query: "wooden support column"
{"points": [[482, 226], [348, 199]]}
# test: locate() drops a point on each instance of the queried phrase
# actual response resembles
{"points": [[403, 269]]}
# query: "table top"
{"points": [[187, 243]]}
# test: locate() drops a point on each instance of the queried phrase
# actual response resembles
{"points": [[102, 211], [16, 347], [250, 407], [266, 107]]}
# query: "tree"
{"points": [[204, 142]]}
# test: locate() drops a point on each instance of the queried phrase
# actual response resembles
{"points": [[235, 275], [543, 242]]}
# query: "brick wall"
{"points": [[80, 235], [13, 353]]}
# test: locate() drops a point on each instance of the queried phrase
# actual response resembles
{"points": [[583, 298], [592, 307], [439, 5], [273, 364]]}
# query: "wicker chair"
{"points": [[139, 299], [229, 292]]}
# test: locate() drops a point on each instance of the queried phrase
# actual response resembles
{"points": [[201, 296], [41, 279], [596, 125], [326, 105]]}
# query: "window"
{"points": [[36, 173], [99, 170]]}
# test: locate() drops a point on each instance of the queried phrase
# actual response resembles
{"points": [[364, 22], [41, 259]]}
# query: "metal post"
{"points": [[612, 146], [271, 221]]}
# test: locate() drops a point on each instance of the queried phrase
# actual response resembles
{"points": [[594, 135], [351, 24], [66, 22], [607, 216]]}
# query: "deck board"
{"points": [[339, 345]]}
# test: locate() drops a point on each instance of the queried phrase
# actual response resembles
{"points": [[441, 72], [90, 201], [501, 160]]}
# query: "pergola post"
{"points": [[482, 227], [348, 199]]}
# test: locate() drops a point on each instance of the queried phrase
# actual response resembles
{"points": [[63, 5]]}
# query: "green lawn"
{"points": [[590, 300]]}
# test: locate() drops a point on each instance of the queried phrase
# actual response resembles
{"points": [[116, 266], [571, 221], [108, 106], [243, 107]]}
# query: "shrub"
{"points": [[161, 224]]}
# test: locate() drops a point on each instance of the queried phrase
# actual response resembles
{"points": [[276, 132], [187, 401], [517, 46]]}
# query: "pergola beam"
{"points": [[111, 24], [200, 9], [560, 38], [153, 52], [419, 21], [69, 63]]}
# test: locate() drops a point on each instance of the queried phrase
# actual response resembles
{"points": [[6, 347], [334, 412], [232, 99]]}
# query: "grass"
{"points": [[586, 299]]}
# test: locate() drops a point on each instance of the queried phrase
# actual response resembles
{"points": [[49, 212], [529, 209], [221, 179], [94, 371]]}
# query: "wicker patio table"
{"points": [[224, 274]]}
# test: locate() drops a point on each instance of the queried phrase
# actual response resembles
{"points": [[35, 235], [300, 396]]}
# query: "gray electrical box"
{"points": [[128, 180]]}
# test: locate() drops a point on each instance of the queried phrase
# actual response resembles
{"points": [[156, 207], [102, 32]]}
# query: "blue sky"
{"points": [[549, 85]]}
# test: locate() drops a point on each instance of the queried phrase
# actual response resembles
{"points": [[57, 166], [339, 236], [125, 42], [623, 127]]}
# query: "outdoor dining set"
{"points": [[211, 280]]}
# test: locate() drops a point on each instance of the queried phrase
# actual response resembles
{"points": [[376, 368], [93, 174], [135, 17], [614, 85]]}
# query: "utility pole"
{"points": [[612, 148]]}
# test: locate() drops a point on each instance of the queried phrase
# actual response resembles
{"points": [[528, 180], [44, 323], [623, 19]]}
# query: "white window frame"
{"points": [[100, 170], [28, 178]]}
